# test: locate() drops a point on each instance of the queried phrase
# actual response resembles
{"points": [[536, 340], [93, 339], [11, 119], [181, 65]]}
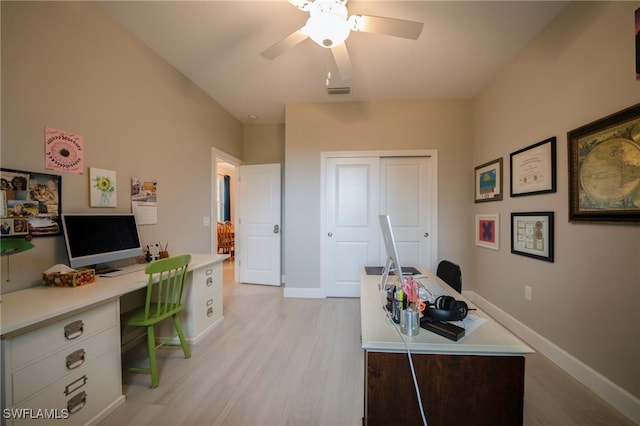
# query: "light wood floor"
{"points": [[277, 361]]}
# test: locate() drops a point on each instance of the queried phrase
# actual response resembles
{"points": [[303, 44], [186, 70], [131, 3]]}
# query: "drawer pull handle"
{"points": [[209, 302], [209, 282], [209, 312], [75, 385], [73, 330], [75, 359], [209, 271], [76, 403]]}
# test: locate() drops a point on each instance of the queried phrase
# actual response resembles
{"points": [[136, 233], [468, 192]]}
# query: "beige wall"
{"points": [[264, 143], [580, 69], [378, 126], [69, 66]]}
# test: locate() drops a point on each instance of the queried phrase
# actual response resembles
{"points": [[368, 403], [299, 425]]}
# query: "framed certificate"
{"points": [[532, 235], [533, 169]]}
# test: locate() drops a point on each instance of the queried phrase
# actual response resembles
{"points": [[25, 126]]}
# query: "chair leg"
{"points": [[151, 349], [183, 342]]}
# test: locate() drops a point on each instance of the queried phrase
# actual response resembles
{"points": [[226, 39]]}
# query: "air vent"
{"points": [[339, 90]]}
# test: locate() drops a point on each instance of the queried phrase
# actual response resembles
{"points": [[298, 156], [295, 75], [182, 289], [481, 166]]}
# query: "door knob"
{"points": [[330, 234], [276, 228], [426, 234]]}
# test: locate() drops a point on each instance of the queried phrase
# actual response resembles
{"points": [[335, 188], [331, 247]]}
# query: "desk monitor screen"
{"points": [[393, 262], [97, 239]]}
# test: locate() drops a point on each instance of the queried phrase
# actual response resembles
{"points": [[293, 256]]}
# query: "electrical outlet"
{"points": [[527, 292]]}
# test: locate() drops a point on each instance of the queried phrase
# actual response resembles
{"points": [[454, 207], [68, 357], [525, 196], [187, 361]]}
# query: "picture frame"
{"points": [[33, 199], [488, 231], [604, 164], [102, 188], [488, 181], [532, 235], [533, 169]]}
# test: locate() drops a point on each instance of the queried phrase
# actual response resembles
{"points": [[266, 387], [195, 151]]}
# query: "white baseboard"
{"points": [[623, 401], [304, 293]]}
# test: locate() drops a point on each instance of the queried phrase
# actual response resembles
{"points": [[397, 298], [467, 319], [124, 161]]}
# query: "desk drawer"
{"points": [[206, 312], [31, 378], [203, 282], [79, 396], [67, 332]]}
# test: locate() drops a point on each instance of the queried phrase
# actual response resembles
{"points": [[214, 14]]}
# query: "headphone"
{"points": [[445, 308]]}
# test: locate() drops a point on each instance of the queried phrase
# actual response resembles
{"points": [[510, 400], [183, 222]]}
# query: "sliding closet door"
{"points": [[357, 190], [352, 200], [405, 195]]}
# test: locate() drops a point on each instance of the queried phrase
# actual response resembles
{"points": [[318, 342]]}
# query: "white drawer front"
{"points": [[206, 311], [67, 332], [31, 378], [91, 390], [202, 283]]}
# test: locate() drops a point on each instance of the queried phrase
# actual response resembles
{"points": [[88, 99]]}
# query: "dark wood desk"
{"points": [[478, 380]]}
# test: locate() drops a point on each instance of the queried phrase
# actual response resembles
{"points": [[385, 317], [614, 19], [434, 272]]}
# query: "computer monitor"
{"points": [[392, 264], [97, 239]]}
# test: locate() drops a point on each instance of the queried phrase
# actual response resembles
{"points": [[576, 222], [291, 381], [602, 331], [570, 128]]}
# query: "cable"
{"points": [[413, 372]]}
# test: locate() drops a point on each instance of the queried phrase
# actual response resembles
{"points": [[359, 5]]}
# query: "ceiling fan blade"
{"points": [[387, 26], [343, 62], [284, 44], [302, 4]]}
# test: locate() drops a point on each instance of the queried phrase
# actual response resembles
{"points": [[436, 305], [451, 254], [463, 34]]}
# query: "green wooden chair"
{"points": [[164, 300]]}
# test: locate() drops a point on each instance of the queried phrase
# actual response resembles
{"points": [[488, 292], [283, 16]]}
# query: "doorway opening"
{"points": [[223, 210]]}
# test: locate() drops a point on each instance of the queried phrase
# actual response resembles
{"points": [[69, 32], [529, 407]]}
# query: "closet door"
{"points": [[357, 190], [352, 237], [405, 195]]}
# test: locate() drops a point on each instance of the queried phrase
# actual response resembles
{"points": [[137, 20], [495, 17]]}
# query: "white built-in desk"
{"points": [[61, 346], [478, 380]]}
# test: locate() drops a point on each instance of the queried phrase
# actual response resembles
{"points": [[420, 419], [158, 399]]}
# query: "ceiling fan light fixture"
{"points": [[327, 24]]}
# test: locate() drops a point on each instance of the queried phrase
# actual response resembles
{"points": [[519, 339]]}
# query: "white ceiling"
{"points": [[217, 44]]}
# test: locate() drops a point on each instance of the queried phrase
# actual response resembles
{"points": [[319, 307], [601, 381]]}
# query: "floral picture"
{"points": [[102, 188]]}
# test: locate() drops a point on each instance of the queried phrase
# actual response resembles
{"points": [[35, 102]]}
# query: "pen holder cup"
{"points": [[163, 254], [410, 322]]}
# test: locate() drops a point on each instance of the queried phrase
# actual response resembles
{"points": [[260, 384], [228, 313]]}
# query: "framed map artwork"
{"points": [[604, 169]]}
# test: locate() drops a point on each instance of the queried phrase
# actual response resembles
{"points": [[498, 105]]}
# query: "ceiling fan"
{"points": [[329, 26]]}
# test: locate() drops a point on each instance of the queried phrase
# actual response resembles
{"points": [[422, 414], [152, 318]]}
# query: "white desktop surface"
{"points": [[379, 333], [24, 308]]}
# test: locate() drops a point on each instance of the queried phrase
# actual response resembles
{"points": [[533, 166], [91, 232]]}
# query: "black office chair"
{"points": [[450, 273]]}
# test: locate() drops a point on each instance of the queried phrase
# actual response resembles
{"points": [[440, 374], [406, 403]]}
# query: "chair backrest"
{"points": [[164, 285], [450, 273]]}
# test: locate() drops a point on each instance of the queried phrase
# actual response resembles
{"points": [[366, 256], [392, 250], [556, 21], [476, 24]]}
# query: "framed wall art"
{"points": [[102, 188], [488, 231], [532, 235], [604, 169], [533, 169], [32, 199], [488, 181]]}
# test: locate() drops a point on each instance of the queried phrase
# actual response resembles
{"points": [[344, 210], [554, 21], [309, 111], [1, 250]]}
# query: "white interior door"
{"points": [[352, 199], [259, 220], [405, 195], [357, 190]]}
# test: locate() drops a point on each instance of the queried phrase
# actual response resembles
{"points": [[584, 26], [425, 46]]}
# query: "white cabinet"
{"points": [[202, 298], [66, 368]]}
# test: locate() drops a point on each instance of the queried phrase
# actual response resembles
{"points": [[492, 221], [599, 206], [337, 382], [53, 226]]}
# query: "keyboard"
{"points": [[430, 290], [124, 270]]}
